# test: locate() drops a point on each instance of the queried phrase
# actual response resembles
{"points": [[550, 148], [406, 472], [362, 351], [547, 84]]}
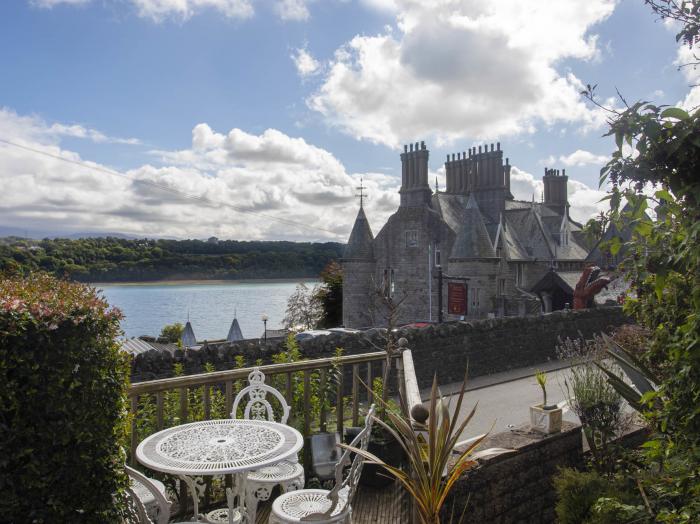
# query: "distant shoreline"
{"points": [[205, 282]]}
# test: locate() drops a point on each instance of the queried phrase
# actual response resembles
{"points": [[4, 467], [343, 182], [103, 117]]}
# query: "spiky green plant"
{"points": [[434, 465], [541, 377]]}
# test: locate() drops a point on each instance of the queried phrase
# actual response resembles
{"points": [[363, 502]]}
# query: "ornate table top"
{"points": [[215, 447]]}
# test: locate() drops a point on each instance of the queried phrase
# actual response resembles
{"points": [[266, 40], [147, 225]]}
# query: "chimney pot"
{"points": [[453, 157], [459, 156], [417, 146], [405, 148], [448, 157], [479, 149], [507, 163], [498, 146], [422, 144], [563, 172], [411, 147], [492, 147]]}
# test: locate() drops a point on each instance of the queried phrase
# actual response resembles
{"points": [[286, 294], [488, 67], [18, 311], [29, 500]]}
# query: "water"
{"points": [[211, 306]]}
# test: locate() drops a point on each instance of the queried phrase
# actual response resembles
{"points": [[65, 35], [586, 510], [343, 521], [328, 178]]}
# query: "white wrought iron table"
{"points": [[219, 447]]}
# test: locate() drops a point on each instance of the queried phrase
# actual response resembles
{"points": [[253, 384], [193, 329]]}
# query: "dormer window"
{"points": [[411, 238]]}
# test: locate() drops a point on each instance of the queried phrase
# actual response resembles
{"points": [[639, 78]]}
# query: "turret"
{"points": [[188, 339], [555, 190], [234, 332], [358, 268], [415, 190]]}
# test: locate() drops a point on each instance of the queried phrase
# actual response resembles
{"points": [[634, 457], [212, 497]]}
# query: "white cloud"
{"points": [[305, 63], [33, 128], [464, 68], [48, 4], [686, 59], [585, 201], [159, 10], [292, 9], [581, 157], [249, 178]]}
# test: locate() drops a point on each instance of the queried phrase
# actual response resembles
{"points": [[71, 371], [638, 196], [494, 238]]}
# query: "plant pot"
{"points": [[387, 449], [374, 475], [545, 420]]}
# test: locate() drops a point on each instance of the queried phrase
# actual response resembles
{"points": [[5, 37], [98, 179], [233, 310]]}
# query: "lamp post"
{"points": [[264, 319]]}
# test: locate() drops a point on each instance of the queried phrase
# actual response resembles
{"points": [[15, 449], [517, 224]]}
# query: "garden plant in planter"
{"points": [[544, 417], [382, 443]]}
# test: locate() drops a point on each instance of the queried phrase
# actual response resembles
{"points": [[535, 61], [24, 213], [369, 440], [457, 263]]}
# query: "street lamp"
{"points": [[264, 319]]}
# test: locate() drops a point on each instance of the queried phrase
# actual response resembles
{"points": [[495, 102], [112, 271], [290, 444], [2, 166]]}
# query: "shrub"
{"points": [[63, 387], [577, 491]]}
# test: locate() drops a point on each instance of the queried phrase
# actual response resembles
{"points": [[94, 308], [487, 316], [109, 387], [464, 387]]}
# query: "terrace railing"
{"points": [[322, 392]]}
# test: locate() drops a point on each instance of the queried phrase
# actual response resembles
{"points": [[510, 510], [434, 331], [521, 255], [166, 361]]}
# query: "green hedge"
{"points": [[63, 387]]}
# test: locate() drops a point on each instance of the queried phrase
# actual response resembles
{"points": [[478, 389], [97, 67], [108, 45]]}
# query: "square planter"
{"points": [[545, 420]]}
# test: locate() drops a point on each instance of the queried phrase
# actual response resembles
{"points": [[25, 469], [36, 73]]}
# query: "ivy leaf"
{"points": [[675, 112]]}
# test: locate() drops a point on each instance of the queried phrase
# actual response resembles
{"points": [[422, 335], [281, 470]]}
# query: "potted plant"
{"points": [[544, 417], [435, 456], [382, 443]]}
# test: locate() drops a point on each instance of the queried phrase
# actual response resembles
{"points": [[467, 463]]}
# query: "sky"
{"points": [[257, 119]]}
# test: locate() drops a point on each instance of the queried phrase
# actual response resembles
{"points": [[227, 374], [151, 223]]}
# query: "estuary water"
{"points": [[211, 305]]}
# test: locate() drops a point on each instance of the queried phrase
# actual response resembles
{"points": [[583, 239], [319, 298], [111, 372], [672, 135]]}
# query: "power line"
{"points": [[168, 189]]}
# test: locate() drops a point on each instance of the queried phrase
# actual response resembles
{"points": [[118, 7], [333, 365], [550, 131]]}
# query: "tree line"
{"points": [[120, 260]]}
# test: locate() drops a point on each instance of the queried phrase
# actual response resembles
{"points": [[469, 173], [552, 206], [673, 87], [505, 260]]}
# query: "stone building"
{"points": [[474, 233]]}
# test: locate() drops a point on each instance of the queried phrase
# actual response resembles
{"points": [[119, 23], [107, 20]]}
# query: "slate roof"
{"points": [[234, 332], [566, 280], [360, 245], [472, 239], [136, 346], [188, 339]]}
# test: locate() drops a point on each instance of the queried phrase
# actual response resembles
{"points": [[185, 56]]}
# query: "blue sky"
{"points": [[297, 99]]}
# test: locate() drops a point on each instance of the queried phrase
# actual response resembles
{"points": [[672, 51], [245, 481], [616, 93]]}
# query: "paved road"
{"points": [[507, 403]]}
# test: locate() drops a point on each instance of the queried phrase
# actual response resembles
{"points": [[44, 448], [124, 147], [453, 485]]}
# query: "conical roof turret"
{"points": [[360, 243], [188, 339], [234, 332], [473, 239]]}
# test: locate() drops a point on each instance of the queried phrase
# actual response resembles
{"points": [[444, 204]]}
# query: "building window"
{"points": [[475, 300], [437, 254], [518, 274], [501, 286], [412, 238], [389, 283]]}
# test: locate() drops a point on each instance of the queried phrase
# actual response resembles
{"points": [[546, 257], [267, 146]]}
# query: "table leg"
{"points": [[238, 494], [194, 492]]}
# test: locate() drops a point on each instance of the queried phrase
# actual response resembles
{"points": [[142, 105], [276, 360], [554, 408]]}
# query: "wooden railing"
{"points": [[295, 380], [409, 385]]}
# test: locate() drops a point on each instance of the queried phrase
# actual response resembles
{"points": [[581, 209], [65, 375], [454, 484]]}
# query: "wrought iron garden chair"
{"points": [[320, 505], [147, 497], [288, 474]]}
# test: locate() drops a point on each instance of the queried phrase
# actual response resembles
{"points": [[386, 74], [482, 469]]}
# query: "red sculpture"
{"points": [[588, 286]]}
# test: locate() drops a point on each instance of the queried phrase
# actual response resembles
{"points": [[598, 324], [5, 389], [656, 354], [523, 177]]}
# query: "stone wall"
{"points": [[489, 346], [517, 487]]}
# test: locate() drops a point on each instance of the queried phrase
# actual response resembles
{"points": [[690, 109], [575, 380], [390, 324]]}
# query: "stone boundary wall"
{"points": [[489, 346], [517, 487]]}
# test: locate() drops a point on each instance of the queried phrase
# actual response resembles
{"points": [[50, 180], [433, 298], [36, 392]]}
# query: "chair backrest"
{"points": [[258, 407], [162, 503], [348, 481]]}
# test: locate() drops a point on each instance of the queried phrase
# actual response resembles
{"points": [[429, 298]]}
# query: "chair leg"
{"points": [[251, 506]]}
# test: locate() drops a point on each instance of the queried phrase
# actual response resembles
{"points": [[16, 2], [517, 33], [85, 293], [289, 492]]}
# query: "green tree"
{"points": [[172, 332], [655, 166], [330, 296], [303, 309]]}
